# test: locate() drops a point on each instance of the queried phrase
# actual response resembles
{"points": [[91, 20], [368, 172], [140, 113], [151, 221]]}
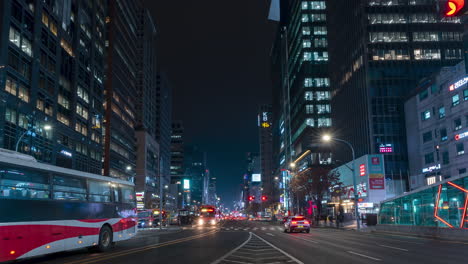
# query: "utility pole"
{"points": [[160, 193]]}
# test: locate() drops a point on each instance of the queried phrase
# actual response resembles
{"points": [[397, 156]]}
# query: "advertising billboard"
{"points": [[186, 184], [256, 177]]}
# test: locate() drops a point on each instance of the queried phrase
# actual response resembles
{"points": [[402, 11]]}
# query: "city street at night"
{"points": [[260, 242]]}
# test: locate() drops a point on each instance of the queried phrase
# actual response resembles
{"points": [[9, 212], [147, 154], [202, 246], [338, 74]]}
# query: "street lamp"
{"points": [[292, 165], [45, 127], [328, 138]]}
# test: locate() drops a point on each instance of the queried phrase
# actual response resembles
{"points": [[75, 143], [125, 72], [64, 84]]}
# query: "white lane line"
{"points": [[263, 228], [279, 249], [402, 249], [270, 234], [272, 228], [365, 256], [232, 251]]}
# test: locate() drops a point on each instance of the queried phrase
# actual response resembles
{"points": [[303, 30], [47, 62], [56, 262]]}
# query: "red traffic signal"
{"points": [[251, 198], [264, 198], [453, 7]]}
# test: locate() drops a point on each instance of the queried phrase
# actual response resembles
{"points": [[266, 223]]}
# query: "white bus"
{"points": [[46, 209]]}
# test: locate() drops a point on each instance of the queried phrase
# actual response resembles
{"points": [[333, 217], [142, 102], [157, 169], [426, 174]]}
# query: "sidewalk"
{"points": [[348, 225]]}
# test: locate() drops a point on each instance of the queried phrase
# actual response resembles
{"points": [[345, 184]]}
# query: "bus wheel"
{"points": [[105, 239]]}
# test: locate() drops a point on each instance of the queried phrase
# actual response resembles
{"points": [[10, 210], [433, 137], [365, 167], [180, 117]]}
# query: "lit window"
{"points": [[317, 5], [384, 54], [15, 36], [455, 100], [460, 149], [309, 109], [26, 46], [425, 36], [441, 112], [443, 134], [10, 86], [308, 96], [23, 93], [453, 54], [427, 54], [394, 18], [81, 92], [306, 31], [323, 95], [307, 56], [310, 122], [388, 37], [324, 122], [305, 18], [63, 119], [63, 101], [323, 109], [426, 115], [306, 43], [320, 30], [431, 180], [457, 124]]}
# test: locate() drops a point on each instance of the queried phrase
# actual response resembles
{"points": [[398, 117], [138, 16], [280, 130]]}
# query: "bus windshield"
{"points": [[144, 214]]}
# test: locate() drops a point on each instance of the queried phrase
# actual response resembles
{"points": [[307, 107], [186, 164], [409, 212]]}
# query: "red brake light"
{"points": [[293, 222], [306, 222]]}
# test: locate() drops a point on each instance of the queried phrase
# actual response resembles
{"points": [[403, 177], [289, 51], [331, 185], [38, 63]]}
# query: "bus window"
{"points": [[25, 184], [128, 194], [68, 188], [99, 191], [116, 195]]}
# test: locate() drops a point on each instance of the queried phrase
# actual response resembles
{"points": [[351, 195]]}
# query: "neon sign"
{"points": [[431, 168], [66, 153], [458, 84], [453, 7], [461, 135], [362, 170], [386, 148]]}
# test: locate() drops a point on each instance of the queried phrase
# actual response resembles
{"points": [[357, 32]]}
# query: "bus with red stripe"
{"points": [[47, 209]]}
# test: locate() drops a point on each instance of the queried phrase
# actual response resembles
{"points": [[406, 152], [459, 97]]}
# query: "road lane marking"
{"points": [[402, 249], [232, 251], [136, 250], [300, 238], [365, 256], [270, 234], [280, 250]]}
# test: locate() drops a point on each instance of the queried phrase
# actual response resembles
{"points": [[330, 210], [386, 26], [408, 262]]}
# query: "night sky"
{"points": [[216, 54]]}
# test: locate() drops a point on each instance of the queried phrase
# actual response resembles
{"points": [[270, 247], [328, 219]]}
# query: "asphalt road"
{"points": [[254, 242]]}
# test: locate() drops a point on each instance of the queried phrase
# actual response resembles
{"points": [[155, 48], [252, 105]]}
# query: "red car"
{"points": [[297, 223]]}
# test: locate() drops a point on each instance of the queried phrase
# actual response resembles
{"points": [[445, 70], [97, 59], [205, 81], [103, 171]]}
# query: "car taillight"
{"points": [[293, 222], [306, 222]]}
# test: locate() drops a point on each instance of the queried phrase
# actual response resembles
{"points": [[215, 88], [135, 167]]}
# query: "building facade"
{"points": [[265, 127], [301, 87], [390, 46], [177, 149], [51, 80], [437, 127], [164, 120]]}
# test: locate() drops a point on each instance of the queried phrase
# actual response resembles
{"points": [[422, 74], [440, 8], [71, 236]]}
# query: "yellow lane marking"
{"points": [[136, 250]]}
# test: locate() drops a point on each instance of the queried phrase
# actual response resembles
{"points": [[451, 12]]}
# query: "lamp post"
{"points": [[46, 127], [328, 138]]}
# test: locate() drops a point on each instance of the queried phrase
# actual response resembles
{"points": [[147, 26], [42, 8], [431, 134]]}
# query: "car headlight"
{"points": [[150, 223], [213, 222], [201, 222]]}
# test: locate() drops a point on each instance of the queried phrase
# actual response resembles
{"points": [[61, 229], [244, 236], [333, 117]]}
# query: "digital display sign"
{"points": [[461, 135], [256, 177], [386, 148], [186, 184], [431, 168]]}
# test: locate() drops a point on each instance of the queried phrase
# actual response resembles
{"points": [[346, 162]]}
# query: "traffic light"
{"points": [[264, 198], [251, 198], [451, 8]]}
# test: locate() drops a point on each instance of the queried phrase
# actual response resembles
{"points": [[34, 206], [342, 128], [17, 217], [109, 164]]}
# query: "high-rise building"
{"points": [[302, 107], [163, 121], [120, 88], [177, 149], [197, 171], [148, 150], [379, 51], [265, 127], [51, 80]]}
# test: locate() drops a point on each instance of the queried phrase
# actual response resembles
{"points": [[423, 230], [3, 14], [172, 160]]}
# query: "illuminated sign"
{"points": [[362, 170], [139, 198], [386, 148], [462, 135], [256, 177], [376, 181], [186, 184], [453, 7], [265, 116], [431, 168], [375, 161], [66, 153], [458, 84], [265, 125], [366, 205]]}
